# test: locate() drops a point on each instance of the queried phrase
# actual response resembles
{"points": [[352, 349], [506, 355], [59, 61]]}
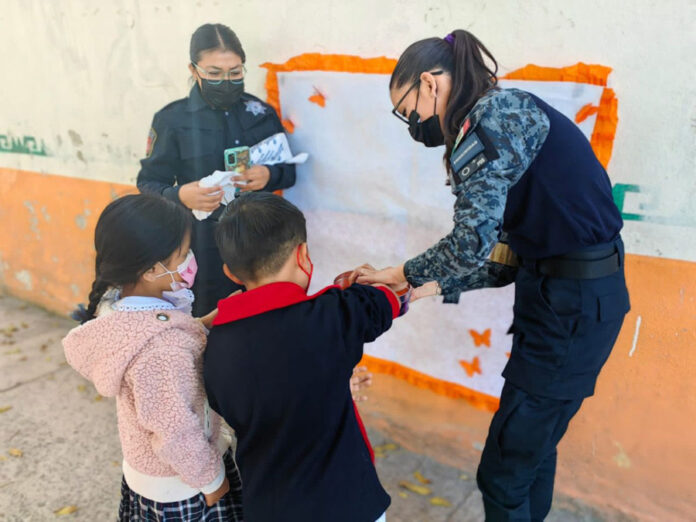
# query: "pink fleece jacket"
{"points": [[151, 361]]}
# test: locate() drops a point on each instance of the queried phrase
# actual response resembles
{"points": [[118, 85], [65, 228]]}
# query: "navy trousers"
{"points": [[563, 333]]}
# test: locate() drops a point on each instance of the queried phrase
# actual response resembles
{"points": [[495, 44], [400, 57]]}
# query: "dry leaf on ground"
{"points": [[415, 488], [65, 510], [420, 478]]}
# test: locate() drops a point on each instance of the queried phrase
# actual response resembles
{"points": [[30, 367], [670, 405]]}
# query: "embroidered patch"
{"points": [[255, 107], [151, 139], [460, 176], [466, 151], [462, 132]]}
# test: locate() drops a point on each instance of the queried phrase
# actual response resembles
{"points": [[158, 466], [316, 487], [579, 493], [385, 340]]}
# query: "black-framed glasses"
{"points": [[395, 110], [216, 76]]}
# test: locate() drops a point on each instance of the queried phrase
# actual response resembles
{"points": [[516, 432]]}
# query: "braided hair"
{"points": [[133, 234]]}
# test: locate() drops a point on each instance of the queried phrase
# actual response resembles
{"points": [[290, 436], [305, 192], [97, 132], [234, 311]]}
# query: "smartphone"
{"points": [[237, 159]]}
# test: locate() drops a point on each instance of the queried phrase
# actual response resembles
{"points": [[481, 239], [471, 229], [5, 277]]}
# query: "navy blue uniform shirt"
{"points": [[277, 368], [186, 143]]}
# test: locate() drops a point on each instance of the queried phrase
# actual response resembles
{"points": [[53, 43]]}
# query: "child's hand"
{"points": [[216, 495], [360, 379], [208, 319]]}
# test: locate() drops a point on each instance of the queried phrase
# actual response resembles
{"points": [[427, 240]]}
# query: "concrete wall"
{"points": [[82, 80]]}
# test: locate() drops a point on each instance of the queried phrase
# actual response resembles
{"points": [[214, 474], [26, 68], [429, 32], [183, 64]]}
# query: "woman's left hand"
{"points": [[360, 379], [256, 178], [392, 276]]}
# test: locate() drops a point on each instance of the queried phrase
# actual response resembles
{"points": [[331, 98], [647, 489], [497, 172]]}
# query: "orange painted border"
{"points": [[602, 141], [421, 380], [320, 62]]}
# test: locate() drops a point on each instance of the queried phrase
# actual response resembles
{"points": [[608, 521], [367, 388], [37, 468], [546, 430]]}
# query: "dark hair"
{"points": [[257, 233], [463, 60], [133, 233], [210, 37]]}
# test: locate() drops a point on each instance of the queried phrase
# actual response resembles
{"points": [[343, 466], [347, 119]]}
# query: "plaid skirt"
{"points": [[135, 508]]}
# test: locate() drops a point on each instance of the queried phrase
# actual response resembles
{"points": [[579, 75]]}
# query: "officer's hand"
{"points": [[254, 178], [360, 379], [427, 290], [392, 276], [196, 197]]}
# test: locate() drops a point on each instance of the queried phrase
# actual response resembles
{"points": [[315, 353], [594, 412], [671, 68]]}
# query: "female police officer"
{"points": [[187, 141], [523, 172]]}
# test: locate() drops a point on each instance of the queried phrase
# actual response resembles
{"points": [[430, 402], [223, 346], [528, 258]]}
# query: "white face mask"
{"points": [[182, 299]]}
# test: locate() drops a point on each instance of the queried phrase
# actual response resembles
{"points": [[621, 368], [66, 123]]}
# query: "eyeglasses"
{"points": [[395, 110], [216, 76]]}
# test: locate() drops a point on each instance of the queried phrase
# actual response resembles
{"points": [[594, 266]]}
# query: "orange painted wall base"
{"points": [[47, 235]]}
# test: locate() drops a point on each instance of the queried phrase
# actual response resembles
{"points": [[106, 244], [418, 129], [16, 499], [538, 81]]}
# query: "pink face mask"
{"points": [[187, 270]]}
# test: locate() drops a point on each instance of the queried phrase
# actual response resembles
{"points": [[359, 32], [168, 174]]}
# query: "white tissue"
{"points": [[271, 151]]}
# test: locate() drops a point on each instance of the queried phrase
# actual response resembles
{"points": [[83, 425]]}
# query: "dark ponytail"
{"points": [[133, 234], [210, 37], [461, 55]]}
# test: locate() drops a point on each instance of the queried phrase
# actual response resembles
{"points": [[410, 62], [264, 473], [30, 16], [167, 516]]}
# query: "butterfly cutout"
{"points": [[471, 367], [481, 338]]}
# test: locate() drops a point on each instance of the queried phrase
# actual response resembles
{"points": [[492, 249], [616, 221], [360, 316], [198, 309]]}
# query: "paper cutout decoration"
{"points": [[373, 195]]}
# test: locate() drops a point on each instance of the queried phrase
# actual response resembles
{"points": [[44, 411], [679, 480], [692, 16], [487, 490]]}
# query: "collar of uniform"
{"points": [[195, 100], [261, 300]]}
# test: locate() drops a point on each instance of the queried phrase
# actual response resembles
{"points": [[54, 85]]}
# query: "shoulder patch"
{"points": [[255, 107], [470, 155], [466, 151], [151, 139]]}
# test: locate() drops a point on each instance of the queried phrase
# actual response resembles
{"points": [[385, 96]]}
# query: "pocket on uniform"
{"points": [[613, 306], [199, 142], [563, 300], [509, 403]]}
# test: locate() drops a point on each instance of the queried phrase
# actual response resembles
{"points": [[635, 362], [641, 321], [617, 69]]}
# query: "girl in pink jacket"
{"points": [[145, 349]]}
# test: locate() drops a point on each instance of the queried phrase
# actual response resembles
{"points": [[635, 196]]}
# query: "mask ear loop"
{"points": [[166, 271], [305, 272]]}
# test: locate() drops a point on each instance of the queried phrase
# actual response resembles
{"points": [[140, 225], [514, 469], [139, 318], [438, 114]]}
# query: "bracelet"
{"points": [[404, 296]]}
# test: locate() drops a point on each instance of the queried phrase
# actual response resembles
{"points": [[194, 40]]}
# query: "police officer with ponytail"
{"points": [[534, 207], [188, 139]]}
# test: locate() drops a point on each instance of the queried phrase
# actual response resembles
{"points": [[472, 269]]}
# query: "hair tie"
{"points": [[449, 39]]}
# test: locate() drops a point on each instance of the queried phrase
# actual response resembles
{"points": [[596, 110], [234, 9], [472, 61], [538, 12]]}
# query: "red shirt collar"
{"points": [[262, 299]]}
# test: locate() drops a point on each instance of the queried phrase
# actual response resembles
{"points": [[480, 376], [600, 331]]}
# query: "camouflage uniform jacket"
{"points": [[500, 138]]}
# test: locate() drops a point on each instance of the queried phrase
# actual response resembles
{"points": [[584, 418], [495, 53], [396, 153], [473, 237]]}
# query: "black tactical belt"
{"points": [[585, 264]]}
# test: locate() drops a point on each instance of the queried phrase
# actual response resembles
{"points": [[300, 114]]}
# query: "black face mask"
{"points": [[427, 132], [222, 95]]}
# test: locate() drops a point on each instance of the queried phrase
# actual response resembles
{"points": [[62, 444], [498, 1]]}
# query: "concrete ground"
{"points": [[60, 456]]}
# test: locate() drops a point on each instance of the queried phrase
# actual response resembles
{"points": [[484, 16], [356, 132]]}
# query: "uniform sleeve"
{"points": [[166, 385], [282, 174], [366, 313], [488, 275], [515, 131], [159, 170]]}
